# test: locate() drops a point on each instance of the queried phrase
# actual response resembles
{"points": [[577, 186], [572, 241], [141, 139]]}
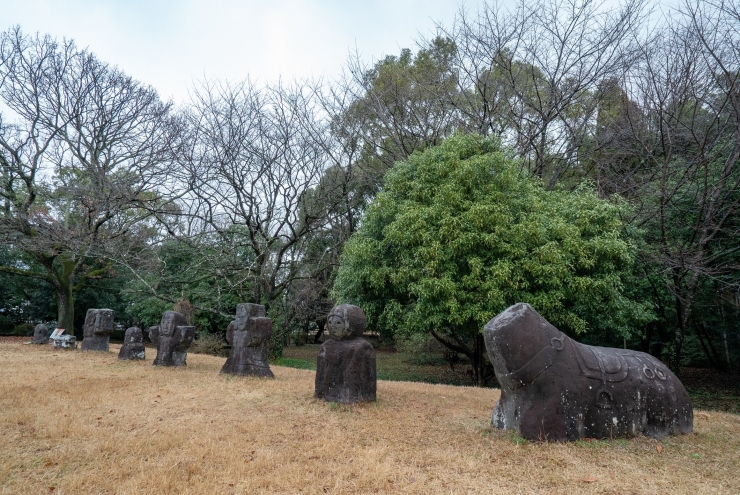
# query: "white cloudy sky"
{"points": [[169, 43]]}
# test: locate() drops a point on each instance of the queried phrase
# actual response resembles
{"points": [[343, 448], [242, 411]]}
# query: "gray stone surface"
{"points": [[249, 336], [346, 366], [65, 342], [554, 388], [41, 334], [97, 329], [172, 337], [133, 345]]}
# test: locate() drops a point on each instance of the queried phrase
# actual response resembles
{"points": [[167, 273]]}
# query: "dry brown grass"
{"points": [[73, 422]]}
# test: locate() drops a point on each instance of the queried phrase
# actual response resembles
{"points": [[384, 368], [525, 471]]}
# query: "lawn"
{"points": [[709, 389], [396, 366], [74, 422]]}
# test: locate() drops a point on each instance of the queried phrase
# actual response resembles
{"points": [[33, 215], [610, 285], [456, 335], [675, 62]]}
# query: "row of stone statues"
{"points": [[345, 370], [552, 387]]}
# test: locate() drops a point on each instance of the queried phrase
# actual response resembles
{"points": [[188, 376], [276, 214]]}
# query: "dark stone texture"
{"points": [[41, 334], [345, 368], [133, 345], [554, 388], [249, 336], [172, 338], [96, 330]]}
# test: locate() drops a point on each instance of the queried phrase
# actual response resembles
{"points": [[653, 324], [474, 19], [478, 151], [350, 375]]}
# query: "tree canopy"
{"points": [[459, 233]]}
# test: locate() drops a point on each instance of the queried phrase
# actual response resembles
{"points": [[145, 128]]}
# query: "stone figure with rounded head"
{"points": [[346, 368]]}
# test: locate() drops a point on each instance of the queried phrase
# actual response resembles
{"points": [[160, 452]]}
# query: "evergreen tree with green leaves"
{"points": [[459, 233]]}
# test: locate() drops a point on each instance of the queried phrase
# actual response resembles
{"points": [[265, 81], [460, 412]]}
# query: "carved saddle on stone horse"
{"points": [[554, 388]]}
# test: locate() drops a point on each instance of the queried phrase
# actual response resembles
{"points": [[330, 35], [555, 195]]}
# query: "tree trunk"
{"points": [[319, 323], [674, 358], [61, 270], [65, 308], [481, 366]]}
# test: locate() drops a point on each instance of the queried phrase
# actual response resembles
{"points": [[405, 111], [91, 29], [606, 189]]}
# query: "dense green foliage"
{"points": [[459, 233]]}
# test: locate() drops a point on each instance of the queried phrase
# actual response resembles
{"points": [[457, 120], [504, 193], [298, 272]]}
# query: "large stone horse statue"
{"points": [[554, 388]]}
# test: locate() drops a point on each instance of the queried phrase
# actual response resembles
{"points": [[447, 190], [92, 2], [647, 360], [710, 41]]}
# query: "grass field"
{"points": [[73, 422], [709, 389], [396, 366]]}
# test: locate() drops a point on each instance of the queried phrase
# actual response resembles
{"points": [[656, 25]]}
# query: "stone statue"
{"points": [[172, 338], [249, 336], [554, 388], [345, 368], [96, 330], [133, 345], [64, 342], [41, 334]]}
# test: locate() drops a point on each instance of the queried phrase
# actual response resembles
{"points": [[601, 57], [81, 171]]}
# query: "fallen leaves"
{"points": [[659, 448], [590, 479]]}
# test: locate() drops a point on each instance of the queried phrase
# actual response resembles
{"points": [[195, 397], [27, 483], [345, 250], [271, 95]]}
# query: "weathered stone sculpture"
{"points": [[65, 342], [133, 345], [96, 330], [345, 368], [41, 334], [554, 388], [172, 338], [249, 335]]}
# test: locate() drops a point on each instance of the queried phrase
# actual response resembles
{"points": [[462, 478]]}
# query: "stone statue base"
{"points": [[65, 342], [346, 371], [95, 343]]}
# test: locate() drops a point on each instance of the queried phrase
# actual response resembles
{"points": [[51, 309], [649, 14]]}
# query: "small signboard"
{"points": [[56, 333]]}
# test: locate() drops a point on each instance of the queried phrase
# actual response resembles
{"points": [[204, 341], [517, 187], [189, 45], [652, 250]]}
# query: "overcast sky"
{"points": [[169, 43]]}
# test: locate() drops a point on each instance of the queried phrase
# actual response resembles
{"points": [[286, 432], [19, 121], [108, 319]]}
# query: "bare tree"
{"points": [[84, 151], [396, 106], [684, 129], [531, 75], [255, 157]]}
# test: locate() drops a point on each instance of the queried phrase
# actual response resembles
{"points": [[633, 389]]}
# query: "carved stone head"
{"points": [[104, 321], [98, 322], [133, 336], [169, 323], [517, 335], [245, 311], [346, 321]]}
